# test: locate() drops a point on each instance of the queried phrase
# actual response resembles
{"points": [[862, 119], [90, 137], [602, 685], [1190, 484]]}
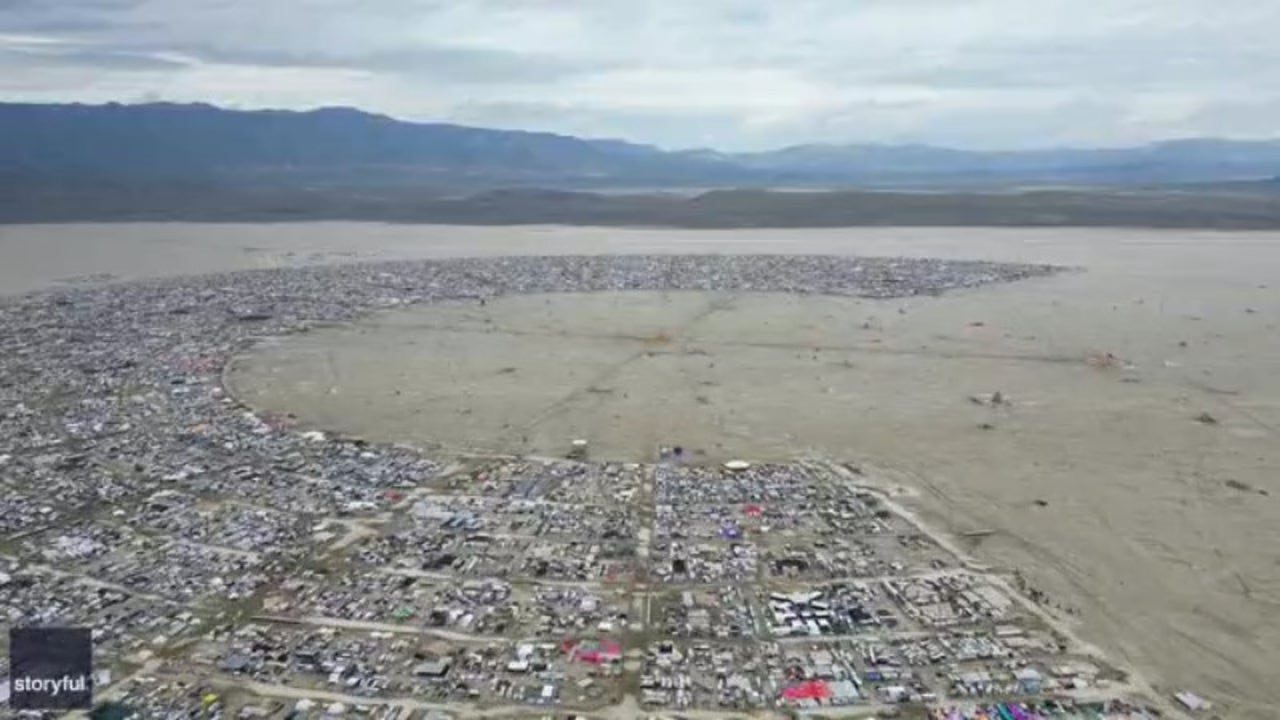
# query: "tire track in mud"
{"points": [[602, 377]]}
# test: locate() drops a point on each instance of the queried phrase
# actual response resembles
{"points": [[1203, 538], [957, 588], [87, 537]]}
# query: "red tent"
{"points": [[598, 654], [812, 690], [753, 510]]}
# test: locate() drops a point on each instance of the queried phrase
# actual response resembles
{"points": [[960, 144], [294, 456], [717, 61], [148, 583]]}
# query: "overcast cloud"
{"points": [[733, 75]]}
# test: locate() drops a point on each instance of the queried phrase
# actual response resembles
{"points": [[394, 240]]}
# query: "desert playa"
{"points": [[1129, 467]]}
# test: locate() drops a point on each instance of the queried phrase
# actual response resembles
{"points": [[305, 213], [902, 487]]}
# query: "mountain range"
{"points": [[197, 144]]}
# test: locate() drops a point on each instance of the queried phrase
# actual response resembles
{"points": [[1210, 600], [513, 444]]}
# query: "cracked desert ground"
{"points": [[1161, 531]]}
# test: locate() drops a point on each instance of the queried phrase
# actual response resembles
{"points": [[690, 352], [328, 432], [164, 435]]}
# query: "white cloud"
{"points": [[727, 73]]}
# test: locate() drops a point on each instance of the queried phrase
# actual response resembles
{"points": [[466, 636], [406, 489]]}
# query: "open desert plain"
{"points": [[1107, 435]]}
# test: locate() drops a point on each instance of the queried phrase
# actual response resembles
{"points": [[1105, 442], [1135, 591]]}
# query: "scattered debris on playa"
{"points": [[234, 565]]}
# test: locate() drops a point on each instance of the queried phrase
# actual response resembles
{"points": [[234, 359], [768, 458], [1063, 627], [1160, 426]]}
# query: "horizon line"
{"points": [[869, 144]]}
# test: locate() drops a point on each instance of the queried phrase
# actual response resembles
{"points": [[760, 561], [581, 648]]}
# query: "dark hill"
{"points": [[343, 147], [330, 146]]}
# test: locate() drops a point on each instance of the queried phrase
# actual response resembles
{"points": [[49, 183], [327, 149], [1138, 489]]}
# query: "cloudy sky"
{"points": [[729, 74]]}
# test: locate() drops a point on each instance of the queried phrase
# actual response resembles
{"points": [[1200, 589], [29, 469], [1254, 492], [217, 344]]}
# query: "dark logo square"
{"points": [[50, 668]]}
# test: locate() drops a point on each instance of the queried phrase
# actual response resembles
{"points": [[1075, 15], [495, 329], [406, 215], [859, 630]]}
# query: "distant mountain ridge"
{"points": [[167, 142], [1177, 161], [344, 147]]}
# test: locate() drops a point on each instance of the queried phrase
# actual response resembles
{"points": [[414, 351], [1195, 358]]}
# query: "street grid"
{"points": [[235, 562]]}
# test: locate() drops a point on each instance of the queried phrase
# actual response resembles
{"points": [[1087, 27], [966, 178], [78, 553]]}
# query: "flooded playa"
{"points": [[1130, 469]]}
